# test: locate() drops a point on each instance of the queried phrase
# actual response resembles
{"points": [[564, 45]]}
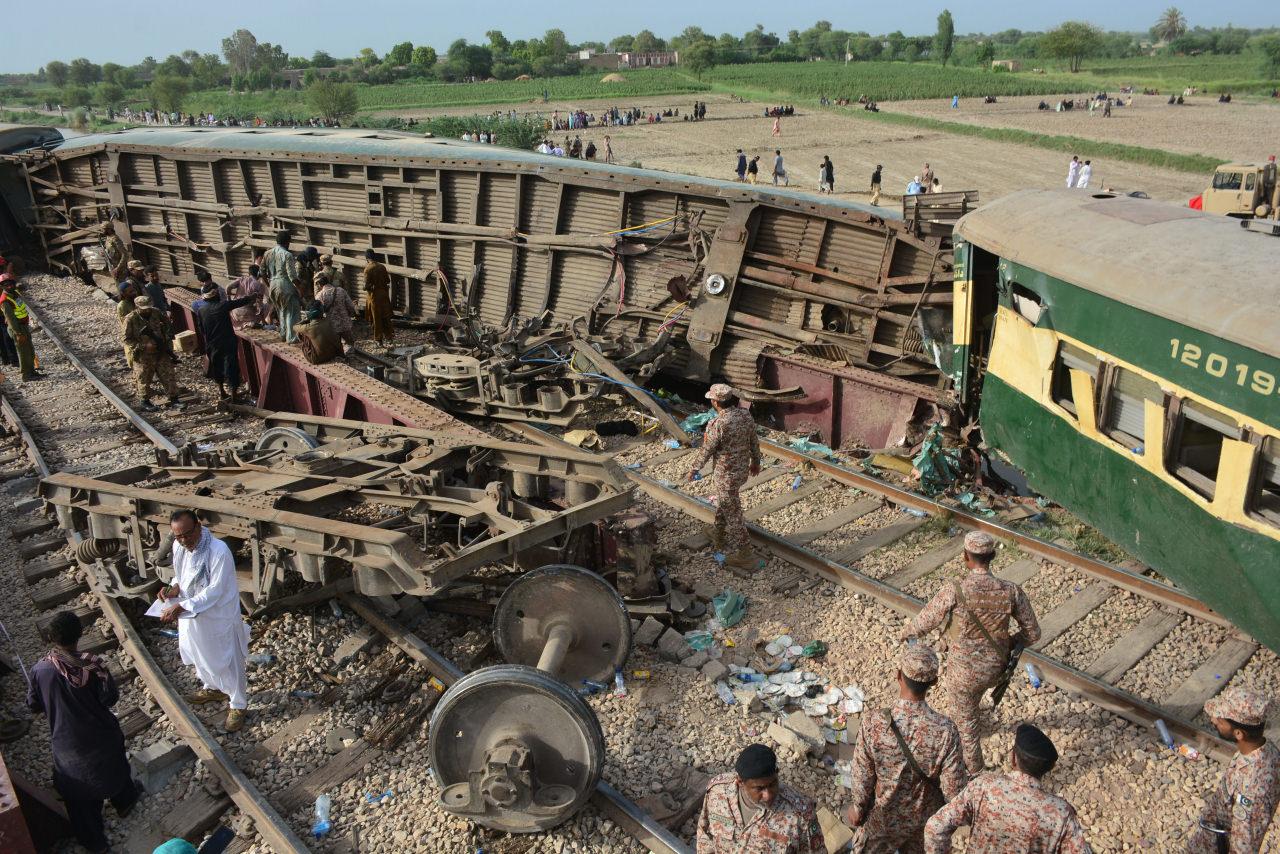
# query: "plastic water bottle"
{"points": [[322, 825], [619, 686], [751, 677], [1033, 675], [795, 483], [1166, 737], [723, 692], [671, 444], [697, 475], [261, 658]]}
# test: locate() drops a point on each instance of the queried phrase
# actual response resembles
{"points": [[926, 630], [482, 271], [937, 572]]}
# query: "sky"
{"points": [[125, 31]]}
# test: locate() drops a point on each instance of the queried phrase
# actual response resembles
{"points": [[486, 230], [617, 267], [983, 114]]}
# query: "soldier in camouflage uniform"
{"points": [[732, 442], [1235, 818], [147, 332], [977, 609], [892, 798], [1011, 813], [747, 811], [124, 308]]}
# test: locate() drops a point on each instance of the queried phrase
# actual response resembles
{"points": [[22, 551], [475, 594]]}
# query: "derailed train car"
{"points": [[1125, 353], [841, 306]]}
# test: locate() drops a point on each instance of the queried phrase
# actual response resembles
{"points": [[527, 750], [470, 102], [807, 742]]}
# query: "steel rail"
{"points": [[274, 829], [640, 825], [1123, 578], [157, 438], [1103, 694]]}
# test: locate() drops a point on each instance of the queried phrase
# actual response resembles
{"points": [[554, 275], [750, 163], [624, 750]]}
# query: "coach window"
{"points": [[1124, 415], [1070, 356], [1264, 504], [1197, 445]]}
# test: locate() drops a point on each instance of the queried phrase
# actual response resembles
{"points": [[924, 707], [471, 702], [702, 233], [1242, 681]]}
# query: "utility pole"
{"points": [[847, 43]]}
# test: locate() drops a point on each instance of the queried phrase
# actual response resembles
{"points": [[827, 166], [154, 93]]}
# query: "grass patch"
{"points": [[1199, 164]]}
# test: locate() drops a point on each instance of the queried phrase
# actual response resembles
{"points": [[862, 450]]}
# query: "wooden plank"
{"points": [[133, 720], [38, 570], [833, 521], [1188, 699], [772, 505], [189, 819], [1072, 611], [97, 643], [29, 550], [56, 592], [1129, 650], [338, 770], [278, 739], [927, 563], [877, 539], [1019, 572], [666, 457], [30, 529]]}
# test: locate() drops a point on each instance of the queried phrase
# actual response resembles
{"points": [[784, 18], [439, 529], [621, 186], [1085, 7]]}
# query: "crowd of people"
{"points": [[576, 149], [282, 291]]}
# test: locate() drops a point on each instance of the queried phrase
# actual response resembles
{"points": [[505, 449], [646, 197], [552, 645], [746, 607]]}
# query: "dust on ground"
{"points": [[856, 144]]}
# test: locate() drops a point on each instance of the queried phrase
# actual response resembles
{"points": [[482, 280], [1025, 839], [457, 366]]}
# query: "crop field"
{"points": [[880, 81], [903, 81], [422, 95]]}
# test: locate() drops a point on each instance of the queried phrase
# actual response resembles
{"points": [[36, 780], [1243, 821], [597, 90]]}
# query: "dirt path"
{"points": [[854, 143]]}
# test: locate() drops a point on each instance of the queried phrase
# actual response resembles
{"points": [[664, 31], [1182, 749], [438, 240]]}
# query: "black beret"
{"points": [[1031, 742], [756, 762]]}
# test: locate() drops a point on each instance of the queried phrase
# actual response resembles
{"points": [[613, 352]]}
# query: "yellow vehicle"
{"points": [[1244, 190]]}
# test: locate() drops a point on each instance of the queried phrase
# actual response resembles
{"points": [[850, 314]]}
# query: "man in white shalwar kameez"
{"points": [[1073, 172], [205, 602]]}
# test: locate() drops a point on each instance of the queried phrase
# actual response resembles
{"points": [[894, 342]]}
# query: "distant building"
{"points": [[650, 59], [629, 59], [1007, 64]]}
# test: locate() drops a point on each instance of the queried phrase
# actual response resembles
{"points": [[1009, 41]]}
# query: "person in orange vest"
{"points": [[17, 319]]}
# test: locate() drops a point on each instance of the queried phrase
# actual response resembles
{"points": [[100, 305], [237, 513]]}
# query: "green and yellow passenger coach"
{"points": [[1125, 354]]}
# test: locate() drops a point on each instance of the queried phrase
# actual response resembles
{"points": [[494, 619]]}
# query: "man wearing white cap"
{"points": [[732, 442], [977, 611], [1236, 816], [906, 763]]}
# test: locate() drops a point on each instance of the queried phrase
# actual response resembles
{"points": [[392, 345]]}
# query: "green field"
{"points": [[899, 81], [417, 95], [880, 81]]}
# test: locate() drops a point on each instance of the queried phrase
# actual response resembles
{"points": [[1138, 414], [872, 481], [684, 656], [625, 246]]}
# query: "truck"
{"points": [[1244, 190]]}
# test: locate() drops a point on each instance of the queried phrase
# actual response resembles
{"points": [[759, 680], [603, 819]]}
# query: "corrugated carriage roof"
{"points": [[1194, 268], [363, 142]]}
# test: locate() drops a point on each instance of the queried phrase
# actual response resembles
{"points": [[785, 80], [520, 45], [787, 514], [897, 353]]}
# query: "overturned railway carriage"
{"points": [[1126, 355], [768, 291]]}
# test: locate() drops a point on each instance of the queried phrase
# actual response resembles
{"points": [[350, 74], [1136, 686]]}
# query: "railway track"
{"points": [[54, 581], [835, 527], [840, 497]]}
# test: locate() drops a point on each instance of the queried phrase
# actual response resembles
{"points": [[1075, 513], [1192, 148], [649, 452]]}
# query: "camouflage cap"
{"points": [[1241, 705], [720, 391], [919, 662], [135, 264], [979, 543], [143, 301]]}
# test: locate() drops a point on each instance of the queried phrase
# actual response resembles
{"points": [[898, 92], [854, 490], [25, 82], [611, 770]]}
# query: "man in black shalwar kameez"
{"points": [[75, 692]]}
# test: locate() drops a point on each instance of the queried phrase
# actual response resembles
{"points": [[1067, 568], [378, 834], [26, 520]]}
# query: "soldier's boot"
{"points": [[717, 544], [174, 403], [745, 558], [147, 405]]}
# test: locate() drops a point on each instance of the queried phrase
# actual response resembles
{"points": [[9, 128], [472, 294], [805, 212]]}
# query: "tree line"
{"points": [[246, 64]]}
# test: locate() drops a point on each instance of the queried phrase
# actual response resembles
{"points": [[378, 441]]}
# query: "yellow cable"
{"points": [[638, 227]]}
